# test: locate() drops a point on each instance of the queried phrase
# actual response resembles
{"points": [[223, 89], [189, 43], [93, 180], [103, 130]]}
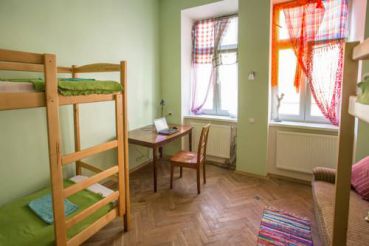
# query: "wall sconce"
{"points": [[162, 104]]}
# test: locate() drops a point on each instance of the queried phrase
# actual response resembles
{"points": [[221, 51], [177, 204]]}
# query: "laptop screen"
{"points": [[160, 124]]}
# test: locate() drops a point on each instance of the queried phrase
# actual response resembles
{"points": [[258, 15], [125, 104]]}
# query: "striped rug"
{"points": [[281, 228]]}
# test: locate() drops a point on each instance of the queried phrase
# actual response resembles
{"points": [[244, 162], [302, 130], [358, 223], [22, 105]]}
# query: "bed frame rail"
{"points": [[21, 57], [97, 68], [92, 209], [361, 51], [94, 228]]}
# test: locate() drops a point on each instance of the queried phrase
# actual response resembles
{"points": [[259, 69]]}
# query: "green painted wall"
{"points": [[253, 95], [170, 52], [79, 32], [170, 58], [363, 129], [253, 56]]}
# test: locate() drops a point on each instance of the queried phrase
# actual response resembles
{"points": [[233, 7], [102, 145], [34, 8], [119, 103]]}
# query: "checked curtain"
{"points": [[206, 38]]}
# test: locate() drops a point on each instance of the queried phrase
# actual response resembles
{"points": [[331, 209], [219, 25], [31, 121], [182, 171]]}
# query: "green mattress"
{"points": [[20, 226], [75, 86]]}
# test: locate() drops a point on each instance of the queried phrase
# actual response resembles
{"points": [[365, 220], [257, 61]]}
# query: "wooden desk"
{"points": [[147, 136]]}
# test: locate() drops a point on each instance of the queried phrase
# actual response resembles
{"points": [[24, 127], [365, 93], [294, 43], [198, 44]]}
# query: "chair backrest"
{"points": [[203, 142]]}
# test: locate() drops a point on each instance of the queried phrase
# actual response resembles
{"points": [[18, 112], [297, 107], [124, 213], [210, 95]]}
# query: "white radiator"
{"points": [[302, 152], [219, 141]]}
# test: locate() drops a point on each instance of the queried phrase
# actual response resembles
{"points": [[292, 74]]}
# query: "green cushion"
{"points": [[364, 96]]}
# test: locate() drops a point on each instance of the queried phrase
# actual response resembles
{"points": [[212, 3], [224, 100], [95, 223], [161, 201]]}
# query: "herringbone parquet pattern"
{"points": [[227, 212]]}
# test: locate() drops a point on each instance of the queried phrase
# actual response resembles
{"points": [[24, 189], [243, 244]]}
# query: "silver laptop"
{"points": [[162, 127]]}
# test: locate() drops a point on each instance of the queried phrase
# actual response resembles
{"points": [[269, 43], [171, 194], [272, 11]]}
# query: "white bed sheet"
{"points": [[6, 86]]}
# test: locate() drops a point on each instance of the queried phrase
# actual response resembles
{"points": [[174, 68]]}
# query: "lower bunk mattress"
{"points": [[20, 226]]}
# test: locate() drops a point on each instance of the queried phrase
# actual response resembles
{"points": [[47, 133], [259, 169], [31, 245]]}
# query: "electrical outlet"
{"points": [[252, 75]]}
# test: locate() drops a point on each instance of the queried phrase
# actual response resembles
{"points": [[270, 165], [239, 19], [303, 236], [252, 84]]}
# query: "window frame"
{"points": [[216, 110], [305, 93]]}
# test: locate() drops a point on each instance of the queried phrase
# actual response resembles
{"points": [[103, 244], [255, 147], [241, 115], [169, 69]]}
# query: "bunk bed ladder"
{"points": [[57, 161], [120, 169]]}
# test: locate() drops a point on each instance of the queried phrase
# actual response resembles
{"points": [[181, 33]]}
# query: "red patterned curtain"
{"points": [[317, 31]]}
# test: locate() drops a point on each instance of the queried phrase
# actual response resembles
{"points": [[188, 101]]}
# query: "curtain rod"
{"points": [[219, 17], [227, 16]]}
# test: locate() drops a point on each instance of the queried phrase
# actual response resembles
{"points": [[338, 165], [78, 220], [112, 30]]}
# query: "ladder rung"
{"points": [[90, 181], [94, 169], [92, 229], [90, 167], [92, 209], [88, 152]]}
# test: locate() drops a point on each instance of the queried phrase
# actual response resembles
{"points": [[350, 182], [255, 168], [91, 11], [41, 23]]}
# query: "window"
{"points": [[300, 105], [215, 77]]}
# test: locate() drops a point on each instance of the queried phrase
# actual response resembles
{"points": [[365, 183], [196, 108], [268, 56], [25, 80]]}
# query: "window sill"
{"points": [[211, 117], [305, 125]]}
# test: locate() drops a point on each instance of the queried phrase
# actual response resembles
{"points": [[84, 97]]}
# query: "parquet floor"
{"points": [[227, 212]]}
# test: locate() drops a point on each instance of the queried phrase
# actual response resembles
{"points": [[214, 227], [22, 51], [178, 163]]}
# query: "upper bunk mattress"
{"points": [[66, 87]]}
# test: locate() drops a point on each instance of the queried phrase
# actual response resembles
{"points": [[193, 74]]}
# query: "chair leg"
{"points": [[171, 176], [198, 180], [204, 172], [180, 172]]}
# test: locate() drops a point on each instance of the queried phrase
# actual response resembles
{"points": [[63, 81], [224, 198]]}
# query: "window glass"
{"points": [[315, 111], [227, 81], [202, 73], [230, 37], [282, 27], [286, 74]]}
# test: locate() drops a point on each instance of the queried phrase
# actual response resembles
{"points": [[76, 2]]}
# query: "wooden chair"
{"points": [[191, 159]]}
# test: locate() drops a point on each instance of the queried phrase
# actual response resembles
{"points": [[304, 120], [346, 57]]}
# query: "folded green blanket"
{"points": [[74, 87], [43, 208], [363, 97]]}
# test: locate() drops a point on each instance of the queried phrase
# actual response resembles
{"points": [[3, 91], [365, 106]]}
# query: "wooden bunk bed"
{"points": [[52, 100], [354, 52]]}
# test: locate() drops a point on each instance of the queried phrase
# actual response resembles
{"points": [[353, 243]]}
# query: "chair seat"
{"points": [[184, 157]]}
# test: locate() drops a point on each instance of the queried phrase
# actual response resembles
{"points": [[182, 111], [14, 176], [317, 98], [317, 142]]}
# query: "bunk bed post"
{"points": [[77, 135], [345, 153], [56, 170], [123, 81], [120, 151]]}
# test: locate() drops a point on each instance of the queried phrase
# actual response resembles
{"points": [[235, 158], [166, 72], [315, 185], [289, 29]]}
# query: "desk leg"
{"points": [[190, 140], [154, 159], [161, 152]]}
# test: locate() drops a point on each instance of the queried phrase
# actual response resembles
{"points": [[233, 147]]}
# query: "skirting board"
{"points": [[140, 166], [251, 174], [285, 178], [273, 176]]}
